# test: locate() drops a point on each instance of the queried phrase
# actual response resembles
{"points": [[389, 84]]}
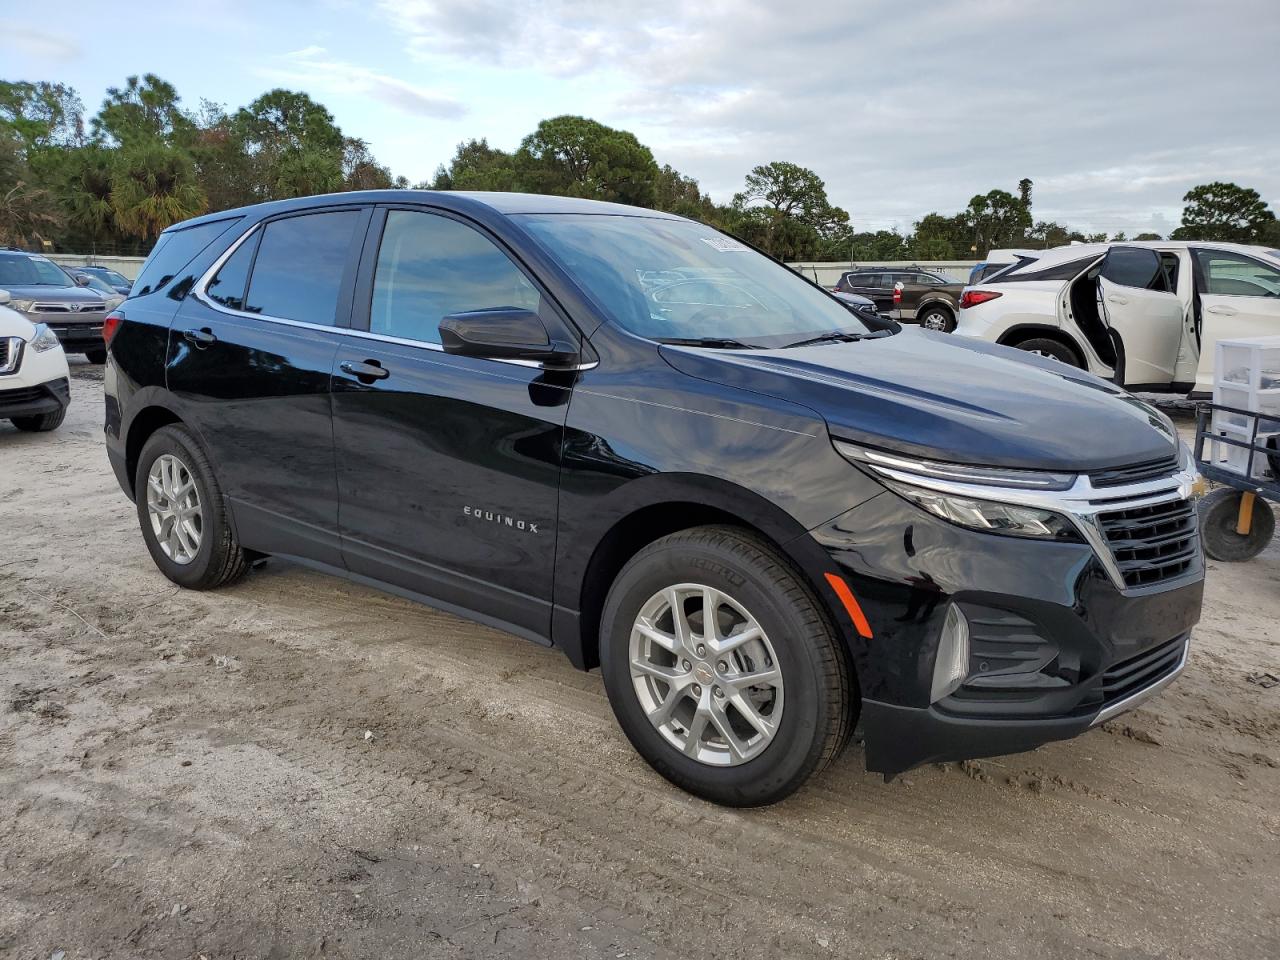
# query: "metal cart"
{"points": [[1236, 520]]}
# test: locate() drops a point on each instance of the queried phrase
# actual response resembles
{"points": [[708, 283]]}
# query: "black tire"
{"points": [[819, 701], [1052, 348], [936, 318], [97, 355], [41, 422], [1219, 513], [219, 559]]}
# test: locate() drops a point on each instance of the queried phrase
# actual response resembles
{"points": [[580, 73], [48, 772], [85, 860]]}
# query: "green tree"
{"points": [[879, 246], [142, 110], [85, 192], [224, 169], [1148, 236], [937, 237], [785, 209], [1224, 211], [997, 219], [577, 157], [41, 114], [28, 212], [293, 145], [478, 166], [153, 187]]}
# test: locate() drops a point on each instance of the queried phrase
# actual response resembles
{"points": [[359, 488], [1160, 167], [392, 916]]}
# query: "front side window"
{"points": [[430, 266], [1234, 275], [299, 267], [678, 280]]}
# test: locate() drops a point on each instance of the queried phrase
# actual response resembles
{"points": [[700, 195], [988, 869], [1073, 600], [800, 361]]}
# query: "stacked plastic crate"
{"points": [[1247, 379]]}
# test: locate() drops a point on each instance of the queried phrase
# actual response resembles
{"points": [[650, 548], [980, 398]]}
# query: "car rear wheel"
{"points": [[40, 422], [937, 318], [723, 669], [183, 514], [96, 356], [1044, 347]]}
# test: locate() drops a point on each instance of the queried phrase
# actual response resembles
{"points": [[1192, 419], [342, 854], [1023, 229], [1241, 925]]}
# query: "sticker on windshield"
{"points": [[724, 244]]}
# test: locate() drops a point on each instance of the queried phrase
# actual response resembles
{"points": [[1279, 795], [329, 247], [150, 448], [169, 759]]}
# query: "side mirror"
{"points": [[4, 296], [81, 280], [503, 333]]}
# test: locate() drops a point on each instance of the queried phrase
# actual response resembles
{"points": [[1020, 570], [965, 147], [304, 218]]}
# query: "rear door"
{"points": [[448, 466], [1144, 313], [250, 356], [1239, 296]]}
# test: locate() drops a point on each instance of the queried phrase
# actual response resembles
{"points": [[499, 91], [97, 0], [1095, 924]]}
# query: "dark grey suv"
{"points": [[45, 293]]}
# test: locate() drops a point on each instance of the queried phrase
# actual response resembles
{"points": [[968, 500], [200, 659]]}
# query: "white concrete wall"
{"points": [[128, 266]]}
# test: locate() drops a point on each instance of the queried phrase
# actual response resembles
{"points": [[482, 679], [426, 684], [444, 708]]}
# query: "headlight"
{"points": [[989, 515], [22, 306], [45, 339], [992, 515]]}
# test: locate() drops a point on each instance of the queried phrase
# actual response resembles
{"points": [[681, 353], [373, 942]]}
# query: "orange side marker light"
{"points": [[850, 605]]}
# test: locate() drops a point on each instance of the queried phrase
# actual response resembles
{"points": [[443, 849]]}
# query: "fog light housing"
{"points": [[951, 665]]}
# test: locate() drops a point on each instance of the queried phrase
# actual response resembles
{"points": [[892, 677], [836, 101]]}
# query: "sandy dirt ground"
{"points": [[298, 767]]}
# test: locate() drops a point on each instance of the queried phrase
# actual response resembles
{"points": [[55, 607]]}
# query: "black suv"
{"points": [[623, 434]]}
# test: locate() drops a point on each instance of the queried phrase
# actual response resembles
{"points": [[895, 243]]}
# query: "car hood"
{"points": [[949, 398], [14, 324], [54, 294]]}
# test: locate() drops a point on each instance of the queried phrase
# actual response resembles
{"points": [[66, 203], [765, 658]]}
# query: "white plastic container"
{"points": [[1247, 377]]}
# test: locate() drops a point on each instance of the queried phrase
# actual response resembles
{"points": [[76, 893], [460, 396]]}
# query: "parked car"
{"points": [[996, 261], [45, 293], [764, 522], [34, 381], [117, 281], [90, 281], [929, 299], [1146, 315]]}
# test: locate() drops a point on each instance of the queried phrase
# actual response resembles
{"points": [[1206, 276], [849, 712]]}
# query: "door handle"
{"points": [[200, 338], [1117, 299], [1223, 311], [366, 372]]}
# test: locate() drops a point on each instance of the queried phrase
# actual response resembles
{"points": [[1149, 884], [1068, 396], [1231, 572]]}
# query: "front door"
{"points": [[1137, 300], [448, 466], [1238, 297], [250, 358]]}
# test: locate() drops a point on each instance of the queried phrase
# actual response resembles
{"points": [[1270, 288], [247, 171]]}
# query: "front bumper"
{"points": [[34, 400], [82, 333], [1055, 646]]}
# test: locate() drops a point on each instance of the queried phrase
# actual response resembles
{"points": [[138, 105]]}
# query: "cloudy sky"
{"points": [[1113, 107]]}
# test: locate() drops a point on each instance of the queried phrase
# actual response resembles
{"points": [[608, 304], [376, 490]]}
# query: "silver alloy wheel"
{"points": [[711, 685], [935, 320], [173, 504]]}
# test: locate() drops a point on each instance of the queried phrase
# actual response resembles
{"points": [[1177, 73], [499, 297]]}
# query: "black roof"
{"points": [[457, 200]]}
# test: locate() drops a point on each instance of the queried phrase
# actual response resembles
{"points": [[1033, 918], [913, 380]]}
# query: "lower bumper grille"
{"points": [[22, 395], [1154, 543], [1124, 679]]}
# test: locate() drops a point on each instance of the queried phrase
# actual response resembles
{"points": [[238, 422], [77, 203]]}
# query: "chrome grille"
{"points": [[1153, 543], [8, 354], [1136, 473], [79, 307]]}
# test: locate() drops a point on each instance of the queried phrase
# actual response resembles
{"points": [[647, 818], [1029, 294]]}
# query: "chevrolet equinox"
{"points": [[623, 434]]}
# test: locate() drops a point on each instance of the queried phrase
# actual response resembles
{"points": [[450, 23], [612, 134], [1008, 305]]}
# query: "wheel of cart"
{"points": [[1236, 520]]}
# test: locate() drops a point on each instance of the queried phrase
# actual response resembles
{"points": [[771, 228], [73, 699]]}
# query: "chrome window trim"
{"points": [[200, 292], [1081, 503], [1135, 698]]}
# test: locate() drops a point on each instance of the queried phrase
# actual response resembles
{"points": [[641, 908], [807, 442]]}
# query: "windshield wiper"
{"points": [[835, 336], [720, 342]]}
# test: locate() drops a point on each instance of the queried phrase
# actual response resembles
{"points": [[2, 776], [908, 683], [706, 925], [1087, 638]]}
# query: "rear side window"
{"points": [[429, 267], [1026, 271], [299, 268], [1132, 267], [175, 250]]}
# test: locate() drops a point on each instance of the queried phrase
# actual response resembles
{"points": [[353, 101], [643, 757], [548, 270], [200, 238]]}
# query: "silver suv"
{"points": [[45, 293]]}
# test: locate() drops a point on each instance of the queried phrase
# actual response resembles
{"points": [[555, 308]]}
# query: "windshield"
{"points": [[679, 280], [29, 270], [109, 275]]}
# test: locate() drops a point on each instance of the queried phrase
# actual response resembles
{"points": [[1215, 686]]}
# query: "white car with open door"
{"points": [[1146, 315]]}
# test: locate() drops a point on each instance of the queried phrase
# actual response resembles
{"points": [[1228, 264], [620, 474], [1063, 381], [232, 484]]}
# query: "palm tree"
{"points": [[153, 187]]}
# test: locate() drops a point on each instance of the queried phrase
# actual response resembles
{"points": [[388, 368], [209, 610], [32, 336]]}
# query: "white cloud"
{"points": [[312, 67], [37, 44]]}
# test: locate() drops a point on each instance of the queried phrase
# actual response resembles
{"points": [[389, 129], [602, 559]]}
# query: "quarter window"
{"points": [[299, 267], [1233, 275], [430, 266], [227, 287]]}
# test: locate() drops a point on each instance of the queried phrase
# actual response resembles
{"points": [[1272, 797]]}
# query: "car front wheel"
{"points": [[722, 667]]}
